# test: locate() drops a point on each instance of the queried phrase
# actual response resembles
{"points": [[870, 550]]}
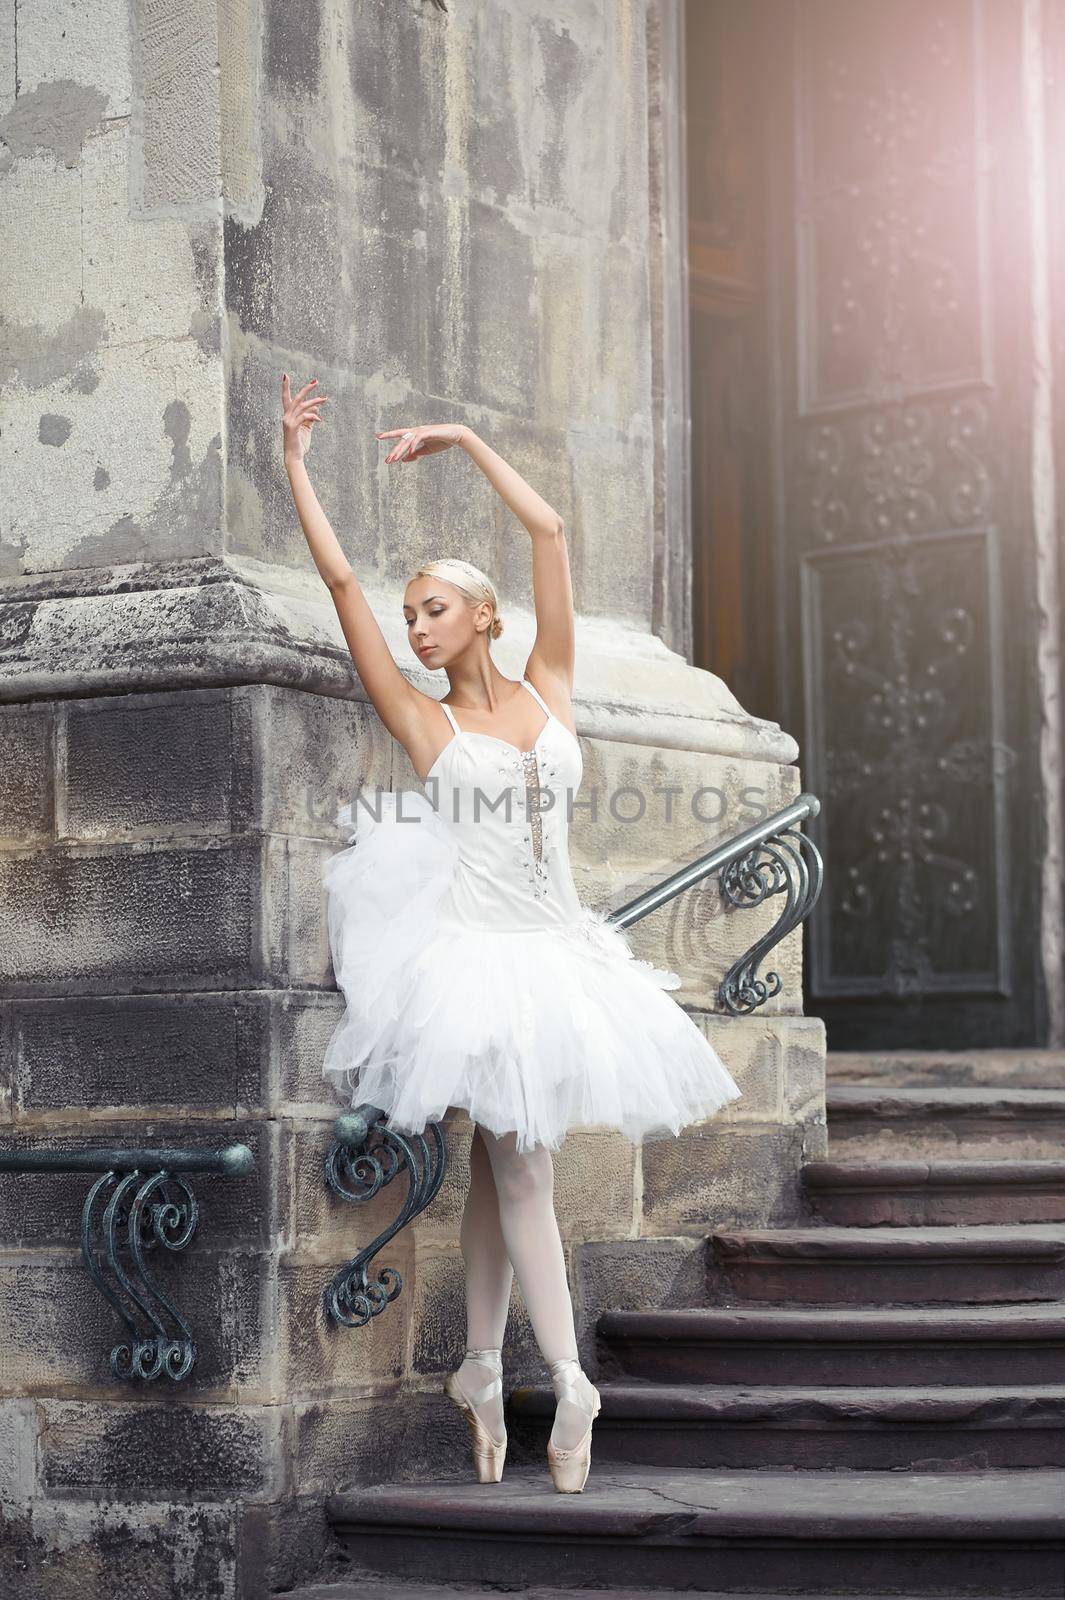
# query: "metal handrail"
{"points": [[139, 1203], [765, 859], [231, 1162]]}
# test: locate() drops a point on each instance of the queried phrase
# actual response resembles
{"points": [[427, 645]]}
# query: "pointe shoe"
{"points": [[487, 1454], [569, 1468]]}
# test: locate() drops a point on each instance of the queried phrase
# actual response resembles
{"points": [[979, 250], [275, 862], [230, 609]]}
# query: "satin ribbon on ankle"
{"points": [[488, 1358], [564, 1373]]}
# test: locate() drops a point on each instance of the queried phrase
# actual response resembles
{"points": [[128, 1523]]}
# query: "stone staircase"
{"points": [[871, 1404]]}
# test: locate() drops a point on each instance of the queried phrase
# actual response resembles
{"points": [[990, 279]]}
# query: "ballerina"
{"points": [[473, 975]]}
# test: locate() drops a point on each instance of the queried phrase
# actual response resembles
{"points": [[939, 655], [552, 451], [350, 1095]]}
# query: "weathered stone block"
{"points": [[494, 363], [57, 1330], [282, 1545], [27, 774], [196, 1052], [319, 1356], [141, 1451], [438, 1317], [313, 753], [438, 1314], [729, 1173], [183, 916], [585, 291], [805, 1043], [636, 1275], [643, 813], [303, 1024], [295, 912], [400, 1436], [217, 915], [751, 1049], [156, 766], [68, 1550], [18, 1451], [595, 1184]]}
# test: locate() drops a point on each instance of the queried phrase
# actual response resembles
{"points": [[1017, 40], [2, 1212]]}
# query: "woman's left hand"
{"points": [[424, 441]]}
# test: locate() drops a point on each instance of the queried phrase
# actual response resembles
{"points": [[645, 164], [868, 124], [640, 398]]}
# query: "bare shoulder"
{"points": [[555, 687]]}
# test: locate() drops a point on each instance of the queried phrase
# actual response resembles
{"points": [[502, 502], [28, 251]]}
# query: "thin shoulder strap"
{"points": [[450, 715], [538, 696]]}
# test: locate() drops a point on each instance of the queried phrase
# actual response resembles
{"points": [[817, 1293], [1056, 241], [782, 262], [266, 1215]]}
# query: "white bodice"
{"points": [[509, 812]]}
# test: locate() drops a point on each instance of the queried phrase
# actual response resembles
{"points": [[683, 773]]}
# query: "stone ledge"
{"points": [[813, 1406], [1021, 1243], [637, 1503], [838, 1324], [208, 622], [860, 1101], [865, 1175]]}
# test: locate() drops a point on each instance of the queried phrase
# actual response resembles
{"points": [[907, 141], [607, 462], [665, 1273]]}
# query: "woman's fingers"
{"points": [[400, 451], [286, 387], [416, 442]]}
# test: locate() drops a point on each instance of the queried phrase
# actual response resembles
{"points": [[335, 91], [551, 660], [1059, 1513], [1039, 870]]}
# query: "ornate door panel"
{"points": [[903, 529]]}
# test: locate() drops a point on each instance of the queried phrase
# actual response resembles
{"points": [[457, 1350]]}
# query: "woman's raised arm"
{"points": [[553, 647], [394, 699]]}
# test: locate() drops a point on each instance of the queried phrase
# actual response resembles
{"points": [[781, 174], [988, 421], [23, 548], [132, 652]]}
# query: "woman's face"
{"points": [[440, 621]]}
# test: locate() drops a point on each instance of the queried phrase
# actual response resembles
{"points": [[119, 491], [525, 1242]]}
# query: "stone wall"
{"points": [[168, 981], [437, 214]]}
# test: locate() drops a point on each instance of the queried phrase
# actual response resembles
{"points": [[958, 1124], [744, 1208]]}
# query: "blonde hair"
{"points": [[474, 584]]}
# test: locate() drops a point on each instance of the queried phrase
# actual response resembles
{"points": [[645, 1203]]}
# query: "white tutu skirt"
{"points": [[531, 1032]]}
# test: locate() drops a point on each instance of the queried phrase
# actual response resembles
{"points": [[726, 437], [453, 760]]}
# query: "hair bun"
{"points": [[496, 629]]}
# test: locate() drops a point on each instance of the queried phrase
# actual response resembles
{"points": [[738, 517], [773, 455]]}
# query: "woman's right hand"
{"points": [[298, 417]]}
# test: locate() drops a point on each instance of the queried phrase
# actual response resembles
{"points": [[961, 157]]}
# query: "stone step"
{"points": [[895, 1266], [993, 1533], [978, 1123], [935, 1193], [838, 1345], [368, 1589], [930, 1429], [1023, 1068]]}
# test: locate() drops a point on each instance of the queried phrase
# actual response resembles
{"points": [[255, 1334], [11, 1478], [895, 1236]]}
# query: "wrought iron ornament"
{"points": [[139, 1203], [776, 866], [761, 861], [364, 1158]]}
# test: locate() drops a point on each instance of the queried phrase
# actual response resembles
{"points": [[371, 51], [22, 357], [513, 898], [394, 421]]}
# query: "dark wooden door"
{"points": [[891, 624]]}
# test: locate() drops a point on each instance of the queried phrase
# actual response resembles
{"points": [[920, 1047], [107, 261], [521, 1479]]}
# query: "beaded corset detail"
{"points": [[527, 849]]}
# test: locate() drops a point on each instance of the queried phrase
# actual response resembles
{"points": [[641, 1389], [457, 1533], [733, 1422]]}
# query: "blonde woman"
{"points": [[473, 975]]}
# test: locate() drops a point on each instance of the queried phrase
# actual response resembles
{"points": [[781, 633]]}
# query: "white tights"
{"points": [[509, 1229]]}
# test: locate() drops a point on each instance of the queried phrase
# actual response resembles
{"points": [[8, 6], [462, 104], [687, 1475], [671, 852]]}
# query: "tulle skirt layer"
{"points": [[531, 1031]]}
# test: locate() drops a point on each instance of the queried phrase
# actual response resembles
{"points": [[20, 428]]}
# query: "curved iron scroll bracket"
{"points": [[775, 866], [364, 1158], [140, 1203], [771, 857]]}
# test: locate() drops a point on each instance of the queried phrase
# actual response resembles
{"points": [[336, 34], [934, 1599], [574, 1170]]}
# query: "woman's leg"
{"points": [[524, 1183], [489, 1276]]}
